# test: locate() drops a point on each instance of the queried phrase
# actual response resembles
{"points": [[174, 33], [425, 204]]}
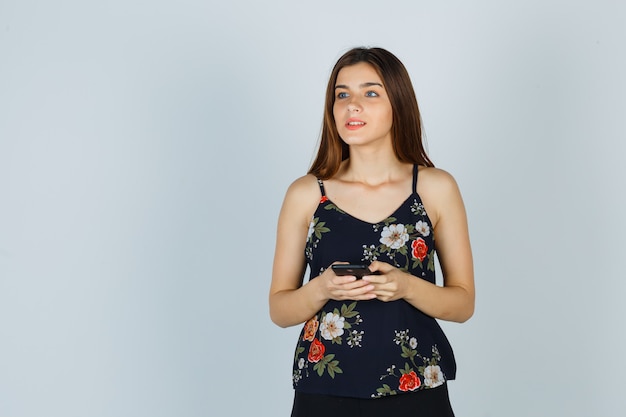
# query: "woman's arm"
{"points": [[291, 302], [455, 300]]}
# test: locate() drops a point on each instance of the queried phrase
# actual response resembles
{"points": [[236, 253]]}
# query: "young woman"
{"points": [[371, 345]]}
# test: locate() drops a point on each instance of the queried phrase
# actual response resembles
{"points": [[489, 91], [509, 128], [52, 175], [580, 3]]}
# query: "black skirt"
{"points": [[433, 402]]}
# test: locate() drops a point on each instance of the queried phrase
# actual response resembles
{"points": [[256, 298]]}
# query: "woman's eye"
{"points": [[371, 94], [342, 95]]}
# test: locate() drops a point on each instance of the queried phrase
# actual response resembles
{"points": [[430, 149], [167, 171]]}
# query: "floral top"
{"points": [[371, 349]]}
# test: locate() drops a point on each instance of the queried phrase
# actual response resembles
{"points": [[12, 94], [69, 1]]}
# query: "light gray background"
{"points": [[145, 148]]}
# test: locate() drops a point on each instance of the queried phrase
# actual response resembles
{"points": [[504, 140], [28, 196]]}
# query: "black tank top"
{"points": [[370, 349]]}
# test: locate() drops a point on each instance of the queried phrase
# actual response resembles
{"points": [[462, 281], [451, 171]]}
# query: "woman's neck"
{"points": [[372, 168]]}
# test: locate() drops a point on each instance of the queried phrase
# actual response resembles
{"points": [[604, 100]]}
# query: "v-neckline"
{"points": [[412, 195]]}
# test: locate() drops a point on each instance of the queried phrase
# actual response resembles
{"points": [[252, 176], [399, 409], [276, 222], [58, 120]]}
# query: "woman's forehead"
{"points": [[359, 73]]}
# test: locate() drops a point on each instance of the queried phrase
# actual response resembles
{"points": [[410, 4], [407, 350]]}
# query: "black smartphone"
{"points": [[351, 269]]}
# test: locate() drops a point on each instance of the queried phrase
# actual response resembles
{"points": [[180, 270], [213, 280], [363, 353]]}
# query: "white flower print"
{"points": [[332, 326], [297, 376], [418, 208], [394, 236], [311, 229], [355, 339], [433, 377], [423, 228], [413, 343], [369, 253], [301, 363], [402, 336]]}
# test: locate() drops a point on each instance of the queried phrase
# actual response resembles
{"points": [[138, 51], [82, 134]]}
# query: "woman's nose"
{"points": [[353, 106]]}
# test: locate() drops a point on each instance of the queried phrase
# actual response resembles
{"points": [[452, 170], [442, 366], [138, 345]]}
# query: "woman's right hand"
{"points": [[344, 287]]}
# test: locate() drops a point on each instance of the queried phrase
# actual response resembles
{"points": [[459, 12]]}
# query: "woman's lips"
{"points": [[354, 124]]}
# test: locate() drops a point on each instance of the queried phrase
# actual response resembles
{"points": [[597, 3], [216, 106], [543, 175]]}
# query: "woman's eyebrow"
{"points": [[364, 85]]}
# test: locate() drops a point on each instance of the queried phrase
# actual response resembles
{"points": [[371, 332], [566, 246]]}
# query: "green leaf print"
{"points": [[328, 363], [431, 261], [386, 390], [408, 353], [407, 369], [299, 350], [416, 263], [333, 207], [333, 369], [348, 311], [319, 228], [389, 220]]}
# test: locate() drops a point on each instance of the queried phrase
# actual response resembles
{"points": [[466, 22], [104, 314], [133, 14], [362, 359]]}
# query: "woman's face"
{"points": [[362, 109]]}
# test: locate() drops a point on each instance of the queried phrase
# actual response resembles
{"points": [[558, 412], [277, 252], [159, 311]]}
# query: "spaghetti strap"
{"points": [[321, 184], [415, 178]]}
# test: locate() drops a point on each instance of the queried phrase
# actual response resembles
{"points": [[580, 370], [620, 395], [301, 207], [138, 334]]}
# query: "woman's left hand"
{"points": [[390, 283]]}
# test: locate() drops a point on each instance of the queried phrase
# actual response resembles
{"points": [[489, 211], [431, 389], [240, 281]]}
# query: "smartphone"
{"points": [[351, 269]]}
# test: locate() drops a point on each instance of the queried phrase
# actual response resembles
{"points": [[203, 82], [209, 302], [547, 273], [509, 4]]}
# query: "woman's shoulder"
{"points": [[303, 192], [436, 178], [304, 186], [438, 190]]}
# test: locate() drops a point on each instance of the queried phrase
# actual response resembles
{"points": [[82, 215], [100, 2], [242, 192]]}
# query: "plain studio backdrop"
{"points": [[146, 146]]}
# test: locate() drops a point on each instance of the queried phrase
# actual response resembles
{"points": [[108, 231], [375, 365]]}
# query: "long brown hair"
{"points": [[406, 129]]}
